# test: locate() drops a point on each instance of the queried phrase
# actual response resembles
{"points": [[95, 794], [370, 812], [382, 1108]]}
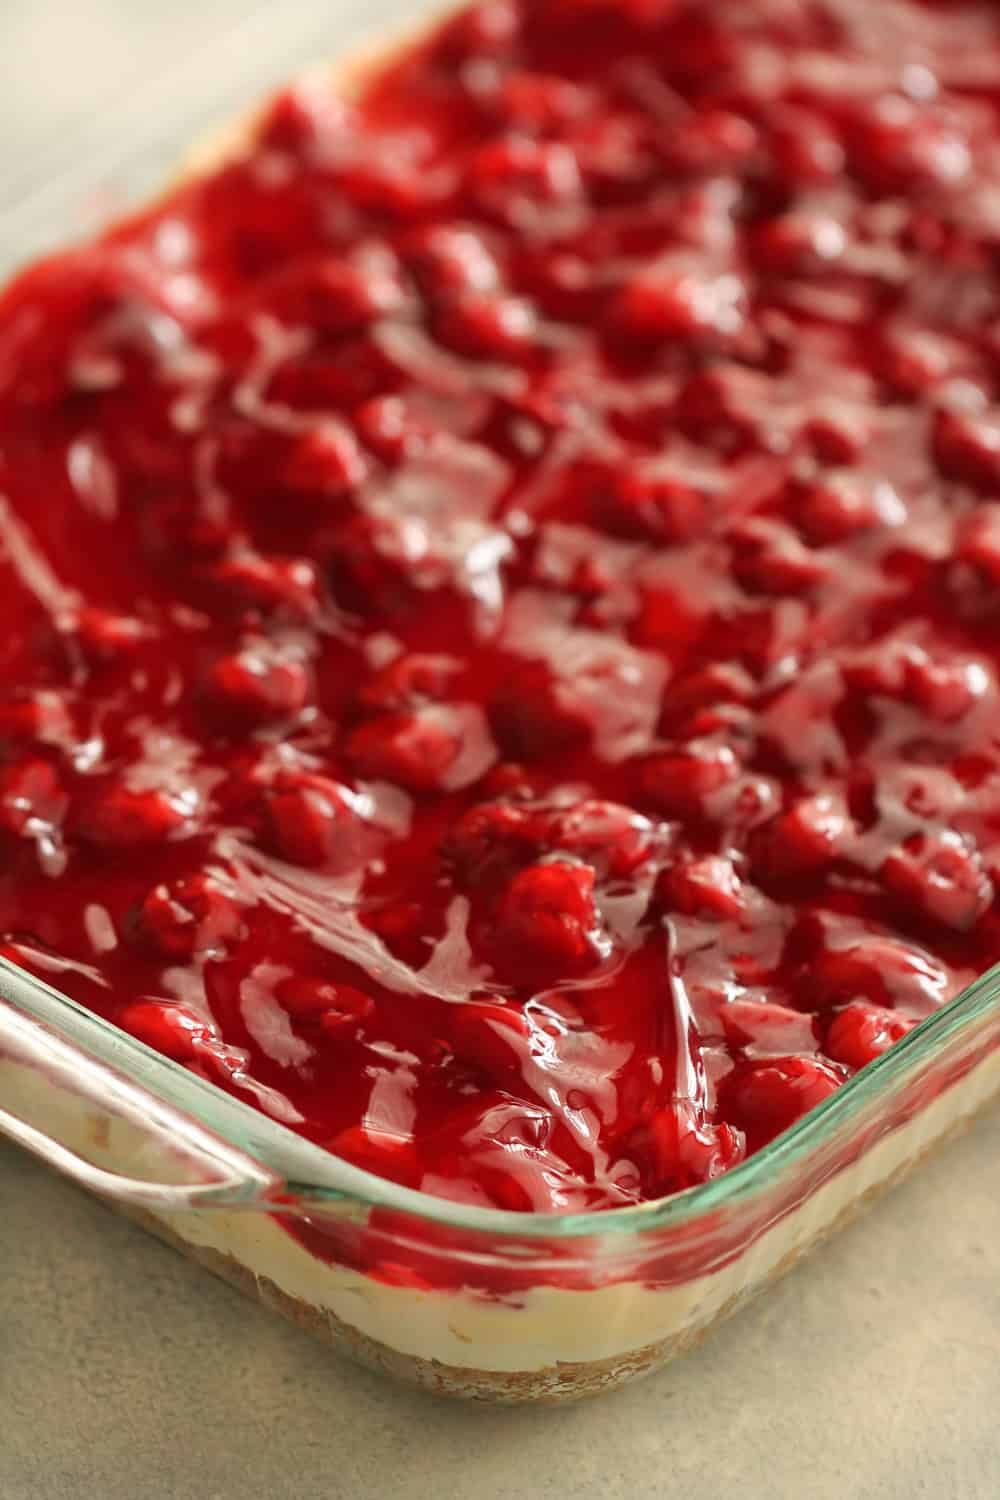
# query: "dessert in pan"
{"points": [[500, 616]]}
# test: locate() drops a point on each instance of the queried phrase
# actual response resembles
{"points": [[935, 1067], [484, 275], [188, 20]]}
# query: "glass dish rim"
{"points": [[275, 1144]]}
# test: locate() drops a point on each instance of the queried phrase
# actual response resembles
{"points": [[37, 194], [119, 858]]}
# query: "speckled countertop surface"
{"points": [[126, 1373]]}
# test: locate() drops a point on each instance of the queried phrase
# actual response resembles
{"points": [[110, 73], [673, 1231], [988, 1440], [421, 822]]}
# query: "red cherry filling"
{"points": [[119, 817], [505, 673], [706, 887], [257, 685], [171, 1029], [196, 914], [334, 1007], [941, 878], [683, 1147], [418, 750], [859, 1033], [547, 921], [31, 797], [314, 821], [769, 1096]]}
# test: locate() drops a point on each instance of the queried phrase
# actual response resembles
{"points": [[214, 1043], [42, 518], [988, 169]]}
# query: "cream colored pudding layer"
{"points": [[542, 1328]]}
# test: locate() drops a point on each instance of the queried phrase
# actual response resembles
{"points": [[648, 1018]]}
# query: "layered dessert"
{"points": [[501, 593]]}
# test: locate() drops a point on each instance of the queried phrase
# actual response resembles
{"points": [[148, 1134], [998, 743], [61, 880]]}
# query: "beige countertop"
{"points": [[126, 1373], [870, 1373]]}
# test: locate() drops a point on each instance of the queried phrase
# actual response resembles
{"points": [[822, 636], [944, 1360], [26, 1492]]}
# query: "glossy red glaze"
{"points": [[499, 611]]}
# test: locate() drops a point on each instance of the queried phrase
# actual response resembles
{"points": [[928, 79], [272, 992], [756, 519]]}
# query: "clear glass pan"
{"points": [[469, 1301]]}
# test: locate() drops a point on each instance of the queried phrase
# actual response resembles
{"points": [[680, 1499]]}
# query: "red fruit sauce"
{"points": [[501, 591]]}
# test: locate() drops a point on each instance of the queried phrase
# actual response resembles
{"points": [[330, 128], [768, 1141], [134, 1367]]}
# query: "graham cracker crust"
{"points": [[553, 1385]]}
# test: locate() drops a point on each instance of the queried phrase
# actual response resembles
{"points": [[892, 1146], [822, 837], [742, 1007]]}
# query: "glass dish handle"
{"points": [[224, 1176]]}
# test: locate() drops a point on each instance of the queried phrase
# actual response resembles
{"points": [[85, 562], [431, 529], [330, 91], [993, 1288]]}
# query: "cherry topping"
{"points": [[313, 820], [807, 148], [39, 717], [940, 876], [195, 914], [966, 446], [490, 327], [495, 836], [494, 1038], [500, 595], [765, 1029], [612, 838], [769, 559], [31, 797], [170, 1028], [332, 296], [257, 685], [451, 260], [409, 681], [531, 716], [304, 120], [105, 637], [334, 1007], [547, 918], [898, 143], [978, 550], [796, 243], [392, 429], [768, 1097], [687, 1148], [706, 887], [384, 1152], [525, 183], [684, 784], [121, 817], [417, 749], [657, 505], [671, 303], [327, 461], [804, 839], [273, 585], [842, 505], [859, 1033], [885, 970]]}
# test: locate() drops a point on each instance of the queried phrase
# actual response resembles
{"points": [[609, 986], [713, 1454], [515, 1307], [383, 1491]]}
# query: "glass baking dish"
{"points": [[467, 1301], [473, 1302]]}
